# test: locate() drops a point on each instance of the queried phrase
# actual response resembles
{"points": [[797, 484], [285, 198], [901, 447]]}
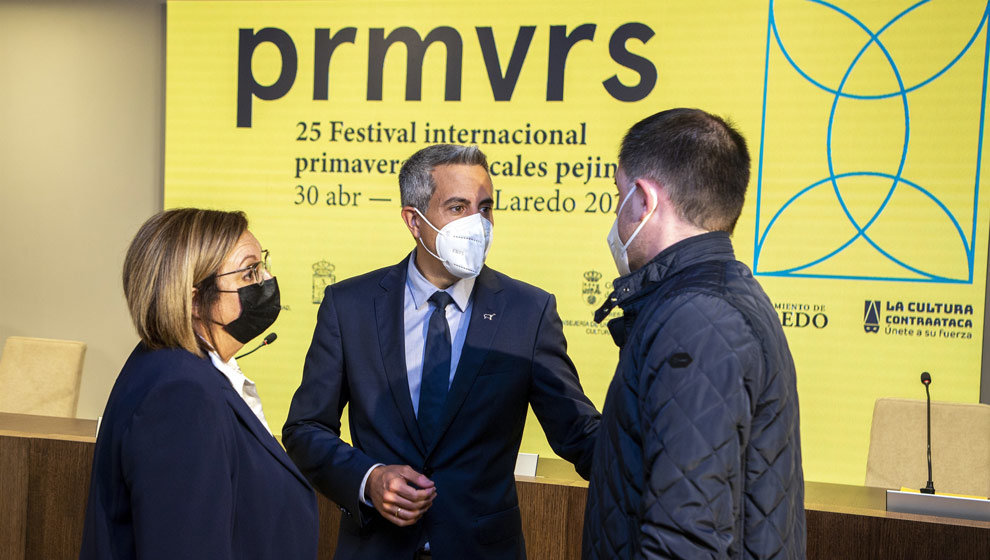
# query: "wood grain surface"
{"points": [[44, 481]]}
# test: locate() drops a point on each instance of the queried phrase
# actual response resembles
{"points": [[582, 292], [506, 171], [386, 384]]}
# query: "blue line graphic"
{"points": [[841, 96]]}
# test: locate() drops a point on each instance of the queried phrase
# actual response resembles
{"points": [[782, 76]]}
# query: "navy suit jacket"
{"points": [[514, 356], [184, 469]]}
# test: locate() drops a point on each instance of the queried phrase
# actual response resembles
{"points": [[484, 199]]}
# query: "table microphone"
{"points": [[268, 340], [926, 380]]}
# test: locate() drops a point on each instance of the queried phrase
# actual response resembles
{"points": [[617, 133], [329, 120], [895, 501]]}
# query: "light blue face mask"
{"points": [[616, 245]]}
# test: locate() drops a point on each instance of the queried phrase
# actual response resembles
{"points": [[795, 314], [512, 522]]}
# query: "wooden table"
{"points": [[44, 480], [853, 522]]}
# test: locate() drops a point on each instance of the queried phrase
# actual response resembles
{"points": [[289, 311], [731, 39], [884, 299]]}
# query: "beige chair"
{"points": [[41, 376], [960, 446]]}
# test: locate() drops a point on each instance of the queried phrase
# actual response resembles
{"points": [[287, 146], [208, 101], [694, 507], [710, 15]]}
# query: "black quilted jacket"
{"points": [[698, 454]]}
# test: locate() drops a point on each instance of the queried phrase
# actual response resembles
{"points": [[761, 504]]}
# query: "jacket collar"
{"points": [[630, 289], [259, 431], [486, 316], [391, 340]]}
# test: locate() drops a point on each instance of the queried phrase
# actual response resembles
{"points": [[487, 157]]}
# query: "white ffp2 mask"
{"points": [[462, 244], [615, 243]]}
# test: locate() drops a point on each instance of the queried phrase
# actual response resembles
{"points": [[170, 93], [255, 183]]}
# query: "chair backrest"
{"points": [[960, 446], [41, 376]]}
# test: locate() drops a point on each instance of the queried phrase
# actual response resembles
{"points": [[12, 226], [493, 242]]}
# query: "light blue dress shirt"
{"points": [[416, 311]]}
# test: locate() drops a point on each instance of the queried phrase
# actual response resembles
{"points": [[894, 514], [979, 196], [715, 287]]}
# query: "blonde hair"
{"points": [[172, 253]]}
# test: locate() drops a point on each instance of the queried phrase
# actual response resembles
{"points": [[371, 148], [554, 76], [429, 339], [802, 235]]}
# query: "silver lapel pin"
{"points": [[489, 316]]}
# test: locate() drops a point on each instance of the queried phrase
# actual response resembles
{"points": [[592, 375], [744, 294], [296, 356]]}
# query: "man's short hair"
{"points": [[416, 184], [699, 158]]}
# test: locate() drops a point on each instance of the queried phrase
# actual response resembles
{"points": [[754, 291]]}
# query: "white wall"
{"points": [[81, 151]]}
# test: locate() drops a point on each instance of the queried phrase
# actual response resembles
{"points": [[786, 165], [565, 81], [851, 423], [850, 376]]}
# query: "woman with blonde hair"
{"points": [[185, 465]]}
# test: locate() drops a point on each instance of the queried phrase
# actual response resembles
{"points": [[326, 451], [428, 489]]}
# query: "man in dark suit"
{"points": [[439, 358]]}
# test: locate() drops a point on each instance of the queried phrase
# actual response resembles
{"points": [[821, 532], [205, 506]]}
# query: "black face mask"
{"points": [[260, 305]]}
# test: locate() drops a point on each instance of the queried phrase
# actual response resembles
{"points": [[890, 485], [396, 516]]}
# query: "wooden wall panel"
{"points": [[329, 526], [57, 495], [552, 517], [14, 453], [839, 535]]}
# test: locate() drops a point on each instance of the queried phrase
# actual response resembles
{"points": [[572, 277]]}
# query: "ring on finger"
{"points": [[398, 511]]}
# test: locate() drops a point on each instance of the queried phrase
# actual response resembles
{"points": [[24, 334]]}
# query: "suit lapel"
{"points": [[391, 338], [486, 314], [254, 426]]}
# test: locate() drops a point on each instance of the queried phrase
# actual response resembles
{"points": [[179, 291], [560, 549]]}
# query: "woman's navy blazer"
{"points": [[183, 469]]}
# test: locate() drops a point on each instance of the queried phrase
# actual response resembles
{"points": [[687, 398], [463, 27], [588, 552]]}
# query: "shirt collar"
{"points": [[231, 371], [420, 289]]}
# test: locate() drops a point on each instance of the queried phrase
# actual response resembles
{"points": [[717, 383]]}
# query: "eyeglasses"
{"points": [[254, 272]]}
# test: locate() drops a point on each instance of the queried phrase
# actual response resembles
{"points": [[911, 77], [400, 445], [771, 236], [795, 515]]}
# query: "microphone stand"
{"points": [[926, 380]]}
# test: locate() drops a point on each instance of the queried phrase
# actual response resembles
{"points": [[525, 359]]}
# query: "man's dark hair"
{"points": [[700, 159], [416, 184]]}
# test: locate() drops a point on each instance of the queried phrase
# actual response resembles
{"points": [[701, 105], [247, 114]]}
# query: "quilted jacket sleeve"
{"points": [[695, 410]]}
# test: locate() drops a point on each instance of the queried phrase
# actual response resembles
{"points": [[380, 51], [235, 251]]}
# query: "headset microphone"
{"points": [[268, 340]]}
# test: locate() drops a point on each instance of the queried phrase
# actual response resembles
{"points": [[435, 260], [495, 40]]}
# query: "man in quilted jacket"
{"points": [[698, 453]]}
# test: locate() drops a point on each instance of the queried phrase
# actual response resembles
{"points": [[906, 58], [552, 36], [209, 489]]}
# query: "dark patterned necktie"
{"points": [[436, 368]]}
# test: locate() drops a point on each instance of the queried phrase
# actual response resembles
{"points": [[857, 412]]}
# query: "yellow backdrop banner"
{"points": [[864, 220]]}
